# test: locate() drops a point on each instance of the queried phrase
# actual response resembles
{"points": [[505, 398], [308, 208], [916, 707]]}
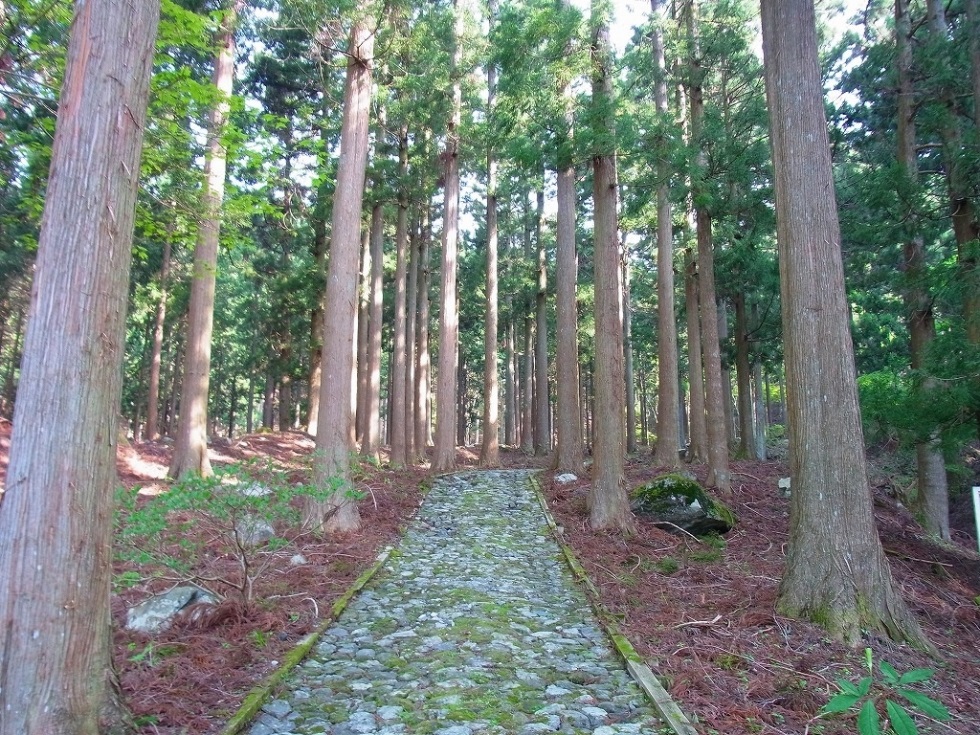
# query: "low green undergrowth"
{"points": [[246, 512]]}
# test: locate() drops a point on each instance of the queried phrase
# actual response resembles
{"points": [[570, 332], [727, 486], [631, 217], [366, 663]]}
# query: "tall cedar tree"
{"points": [[191, 445], [56, 518], [667, 451], [933, 495], [399, 418], [568, 412], [542, 404], [490, 446], [608, 503], [836, 570], [334, 441], [966, 227], [444, 457], [370, 321], [714, 395], [156, 355]]}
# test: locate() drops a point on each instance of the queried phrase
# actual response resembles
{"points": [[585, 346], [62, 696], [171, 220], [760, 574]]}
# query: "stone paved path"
{"points": [[474, 625]]}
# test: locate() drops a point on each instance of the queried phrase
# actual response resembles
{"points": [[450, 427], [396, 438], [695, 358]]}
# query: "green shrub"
{"points": [[169, 534]]}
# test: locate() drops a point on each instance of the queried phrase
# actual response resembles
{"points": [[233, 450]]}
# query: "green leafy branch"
{"points": [[174, 532]]}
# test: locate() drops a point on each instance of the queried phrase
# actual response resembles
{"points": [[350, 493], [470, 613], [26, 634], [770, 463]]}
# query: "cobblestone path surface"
{"points": [[473, 625]]}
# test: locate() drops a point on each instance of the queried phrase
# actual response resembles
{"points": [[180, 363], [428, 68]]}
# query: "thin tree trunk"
{"points": [[411, 321], [153, 402], [399, 421], [461, 400], [836, 570], [542, 403], [490, 445], [727, 390], [334, 441], [644, 426], [285, 397], [569, 410], [9, 386], [444, 456], [932, 501], [371, 441], [423, 423], [588, 401], [760, 412], [719, 475], [232, 401], [249, 419], [175, 374], [268, 404], [191, 446], [697, 447], [668, 424], [510, 383], [527, 389], [966, 229], [717, 425], [743, 375], [628, 355], [320, 246], [363, 399], [681, 412], [56, 673], [608, 503]]}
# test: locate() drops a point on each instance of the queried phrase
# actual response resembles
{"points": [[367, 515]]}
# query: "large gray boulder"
{"points": [[676, 500], [156, 614]]}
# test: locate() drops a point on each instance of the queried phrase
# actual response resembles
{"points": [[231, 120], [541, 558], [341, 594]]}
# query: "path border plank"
{"points": [[641, 673]]}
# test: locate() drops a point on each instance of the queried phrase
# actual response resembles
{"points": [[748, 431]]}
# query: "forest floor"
{"points": [[702, 615]]}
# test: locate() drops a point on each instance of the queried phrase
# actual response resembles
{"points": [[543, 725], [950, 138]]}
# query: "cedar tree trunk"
{"points": [[932, 500], [836, 570], [490, 445], [568, 453], [56, 515], [334, 443], [668, 390], [444, 455], [191, 443], [608, 503], [399, 421]]}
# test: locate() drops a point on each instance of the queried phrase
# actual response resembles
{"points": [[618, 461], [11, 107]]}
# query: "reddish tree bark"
{"points": [[668, 391], [444, 456], [371, 439], [399, 420], [569, 450], [153, 401], [836, 570], [933, 491], [490, 444], [56, 513], [334, 440], [191, 445], [608, 503]]}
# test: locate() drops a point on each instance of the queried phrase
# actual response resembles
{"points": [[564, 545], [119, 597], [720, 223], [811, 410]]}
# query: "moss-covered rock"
{"points": [[679, 500]]}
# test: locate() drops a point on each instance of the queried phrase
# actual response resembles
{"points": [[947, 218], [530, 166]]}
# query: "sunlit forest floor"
{"points": [[701, 614]]}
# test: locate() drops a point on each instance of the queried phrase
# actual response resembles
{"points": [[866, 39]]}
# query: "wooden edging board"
{"points": [[256, 697], [640, 672]]}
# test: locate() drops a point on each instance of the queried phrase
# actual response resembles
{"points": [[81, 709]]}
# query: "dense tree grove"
{"points": [[511, 223]]}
